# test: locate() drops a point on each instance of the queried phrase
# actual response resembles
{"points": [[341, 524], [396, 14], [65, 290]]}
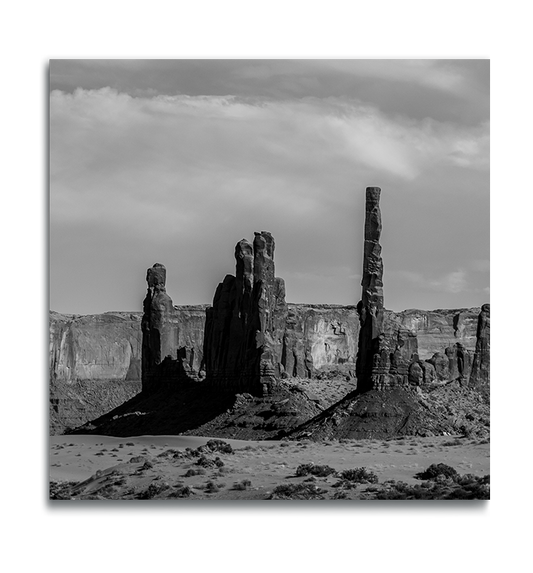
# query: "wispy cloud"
{"points": [[177, 170], [441, 75]]}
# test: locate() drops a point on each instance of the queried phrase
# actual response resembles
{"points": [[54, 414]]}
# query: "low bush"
{"points": [[435, 470], [242, 485], [455, 442], [194, 472], [319, 471], [475, 489], [358, 475], [181, 491], [153, 490], [297, 491], [212, 487], [216, 446], [206, 462]]}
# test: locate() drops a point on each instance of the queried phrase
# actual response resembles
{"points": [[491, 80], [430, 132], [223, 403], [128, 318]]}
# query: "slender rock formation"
{"points": [[372, 354], [159, 339], [480, 373]]}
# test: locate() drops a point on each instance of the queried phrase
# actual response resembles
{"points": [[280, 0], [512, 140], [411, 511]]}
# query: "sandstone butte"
{"points": [[250, 338]]}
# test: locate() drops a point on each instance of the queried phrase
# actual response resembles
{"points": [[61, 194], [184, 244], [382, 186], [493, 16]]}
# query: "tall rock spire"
{"points": [[480, 373], [159, 338], [372, 352]]}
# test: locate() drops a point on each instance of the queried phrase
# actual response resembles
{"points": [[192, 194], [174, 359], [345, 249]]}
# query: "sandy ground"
{"points": [[265, 464]]}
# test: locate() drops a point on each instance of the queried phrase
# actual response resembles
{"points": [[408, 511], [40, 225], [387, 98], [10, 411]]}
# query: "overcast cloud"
{"points": [[175, 161]]}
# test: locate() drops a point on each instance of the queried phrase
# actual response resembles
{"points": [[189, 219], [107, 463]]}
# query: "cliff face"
{"points": [[320, 340], [95, 365], [95, 360], [317, 338], [439, 329], [95, 347]]}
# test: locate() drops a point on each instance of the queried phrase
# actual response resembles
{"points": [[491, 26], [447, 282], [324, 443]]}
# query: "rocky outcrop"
{"points": [[245, 327], [480, 373]]}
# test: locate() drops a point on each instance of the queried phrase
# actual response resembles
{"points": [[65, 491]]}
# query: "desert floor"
{"points": [[118, 466]]}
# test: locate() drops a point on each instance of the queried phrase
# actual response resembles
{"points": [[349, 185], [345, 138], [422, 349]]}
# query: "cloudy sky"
{"points": [[174, 161]]}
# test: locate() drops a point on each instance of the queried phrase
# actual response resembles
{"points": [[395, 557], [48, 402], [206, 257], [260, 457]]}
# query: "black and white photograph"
{"points": [[269, 279]]}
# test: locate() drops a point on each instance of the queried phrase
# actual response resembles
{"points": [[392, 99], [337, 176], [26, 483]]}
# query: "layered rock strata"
{"points": [[245, 326]]}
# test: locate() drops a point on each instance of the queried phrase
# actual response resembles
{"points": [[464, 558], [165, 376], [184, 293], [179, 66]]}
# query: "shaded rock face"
{"points": [[480, 373], [245, 326]]}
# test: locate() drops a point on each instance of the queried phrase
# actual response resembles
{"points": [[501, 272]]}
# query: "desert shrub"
{"points": [[195, 472], [455, 442], [61, 490], [434, 470], [130, 444], [466, 430], [320, 471], [171, 453], [181, 491], [359, 475], [468, 479], [212, 487], [297, 491], [153, 490], [340, 495], [242, 485], [442, 488], [216, 446], [206, 462]]}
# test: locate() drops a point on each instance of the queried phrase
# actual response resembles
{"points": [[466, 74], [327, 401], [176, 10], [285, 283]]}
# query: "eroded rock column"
{"points": [[371, 366], [158, 336]]}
